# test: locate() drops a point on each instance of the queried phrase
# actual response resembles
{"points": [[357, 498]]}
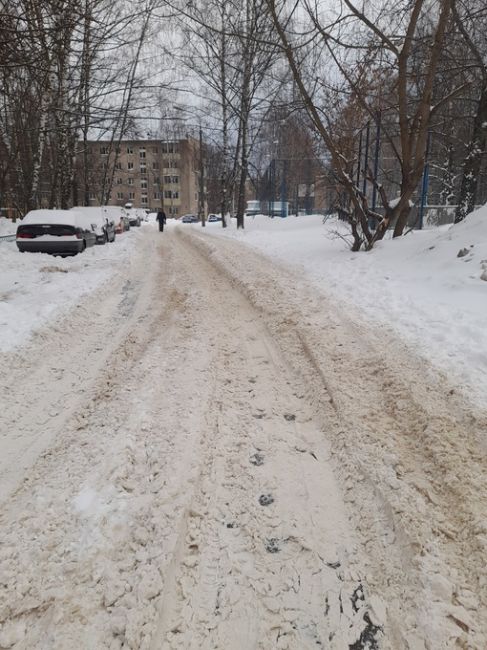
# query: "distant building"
{"points": [[253, 208], [149, 174]]}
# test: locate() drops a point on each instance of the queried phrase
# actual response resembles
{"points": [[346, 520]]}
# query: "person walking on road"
{"points": [[161, 218]]}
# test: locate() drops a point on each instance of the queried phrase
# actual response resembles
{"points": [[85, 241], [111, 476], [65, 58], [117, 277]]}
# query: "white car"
{"points": [[101, 222], [119, 217], [135, 215]]}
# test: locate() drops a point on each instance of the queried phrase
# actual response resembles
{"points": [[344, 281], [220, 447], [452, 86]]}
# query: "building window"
{"points": [[119, 181], [169, 147], [175, 195], [167, 179], [104, 151], [130, 165], [175, 179], [118, 165], [167, 194], [157, 180], [131, 195], [119, 195], [143, 184], [130, 150], [143, 169], [143, 200], [155, 150], [157, 195], [155, 165], [173, 210], [130, 181], [142, 153]]}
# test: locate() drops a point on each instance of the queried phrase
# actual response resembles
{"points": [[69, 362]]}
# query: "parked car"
{"points": [[133, 215], [102, 224], [59, 232], [189, 218], [214, 217], [120, 219]]}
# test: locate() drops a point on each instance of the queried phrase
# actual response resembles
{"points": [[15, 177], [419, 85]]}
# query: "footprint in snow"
{"points": [[257, 459], [266, 499], [272, 545]]}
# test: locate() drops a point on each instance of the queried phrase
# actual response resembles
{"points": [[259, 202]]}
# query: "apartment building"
{"points": [[149, 174]]}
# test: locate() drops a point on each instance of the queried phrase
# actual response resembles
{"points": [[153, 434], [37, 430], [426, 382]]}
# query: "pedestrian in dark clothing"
{"points": [[161, 218]]}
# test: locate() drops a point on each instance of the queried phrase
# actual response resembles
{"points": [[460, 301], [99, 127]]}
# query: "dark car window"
{"points": [[36, 230]]}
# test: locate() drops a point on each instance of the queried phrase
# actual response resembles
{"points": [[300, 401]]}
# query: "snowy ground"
{"points": [[37, 288], [416, 285], [205, 452]]}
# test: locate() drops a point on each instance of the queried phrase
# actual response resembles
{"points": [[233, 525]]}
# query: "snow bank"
{"points": [[36, 287], [416, 285], [7, 227]]}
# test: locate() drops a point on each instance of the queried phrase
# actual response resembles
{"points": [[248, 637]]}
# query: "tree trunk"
{"points": [[401, 220], [473, 160], [224, 101], [34, 201]]}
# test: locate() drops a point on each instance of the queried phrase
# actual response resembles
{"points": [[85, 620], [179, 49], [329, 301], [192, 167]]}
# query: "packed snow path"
{"points": [[206, 454]]}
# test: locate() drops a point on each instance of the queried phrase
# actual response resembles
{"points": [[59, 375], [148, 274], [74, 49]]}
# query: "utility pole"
{"points": [[366, 158], [201, 201], [372, 221], [284, 189]]}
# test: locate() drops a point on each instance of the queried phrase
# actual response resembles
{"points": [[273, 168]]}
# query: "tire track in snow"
{"points": [[410, 453], [253, 575]]}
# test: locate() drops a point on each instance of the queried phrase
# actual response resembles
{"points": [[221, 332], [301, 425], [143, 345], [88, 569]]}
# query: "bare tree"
{"points": [[60, 79], [387, 41], [231, 49], [471, 21]]}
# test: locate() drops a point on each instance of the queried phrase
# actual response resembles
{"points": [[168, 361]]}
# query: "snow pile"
{"points": [[7, 227], [36, 287], [417, 285]]}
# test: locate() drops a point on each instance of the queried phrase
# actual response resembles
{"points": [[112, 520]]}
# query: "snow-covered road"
{"points": [[205, 453]]}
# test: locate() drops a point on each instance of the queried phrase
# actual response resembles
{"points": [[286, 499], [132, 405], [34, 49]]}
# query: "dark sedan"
{"points": [[59, 232]]}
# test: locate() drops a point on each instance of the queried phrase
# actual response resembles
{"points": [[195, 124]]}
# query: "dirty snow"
{"points": [[415, 285], [36, 288], [229, 459]]}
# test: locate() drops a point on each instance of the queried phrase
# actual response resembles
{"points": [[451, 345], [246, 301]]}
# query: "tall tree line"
{"points": [[67, 69], [389, 89]]}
